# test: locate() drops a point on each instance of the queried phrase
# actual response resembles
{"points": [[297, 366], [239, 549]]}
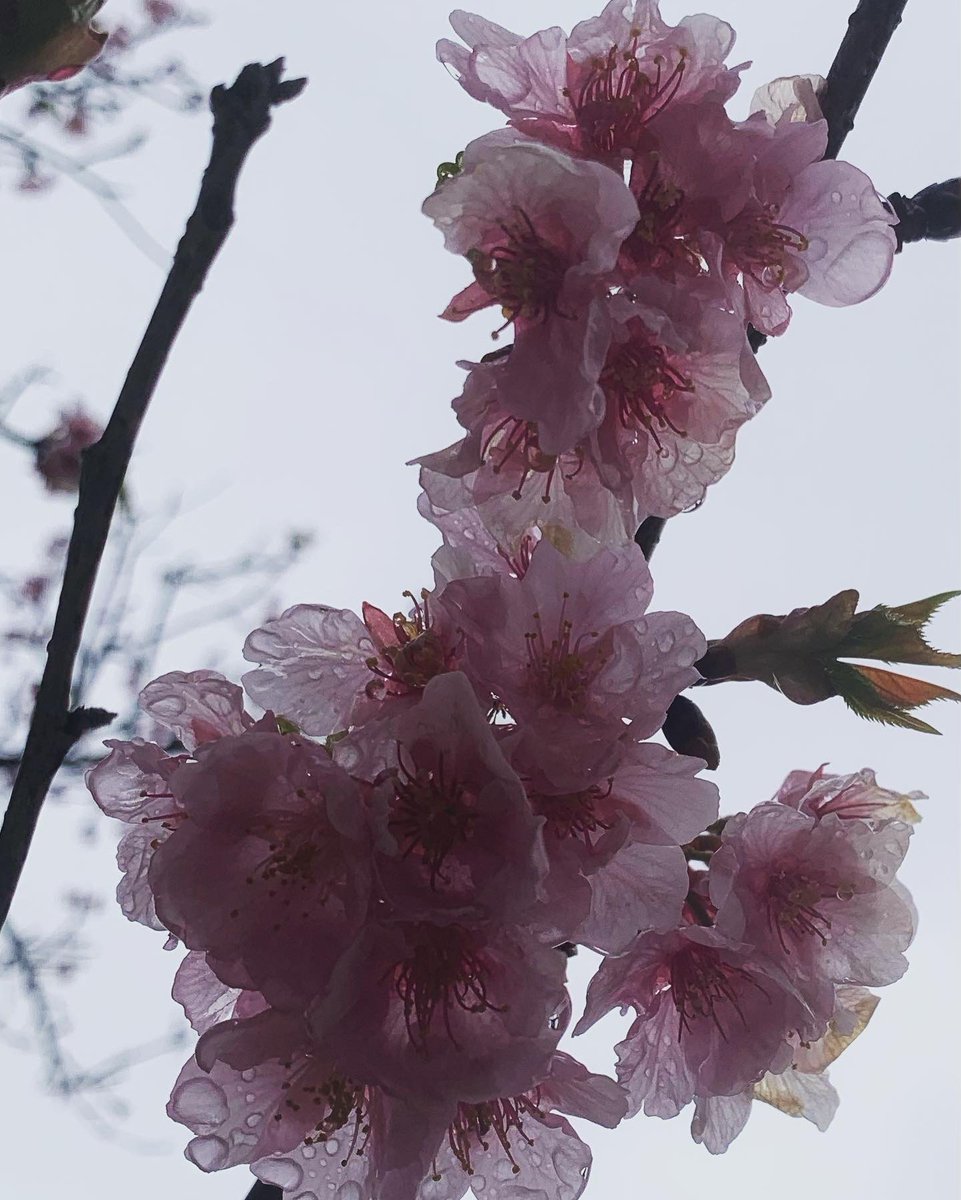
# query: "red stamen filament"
{"points": [[431, 815], [444, 970], [502, 1118], [524, 274], [759, 246], [617, 99], [562, 670], [699, 982]]}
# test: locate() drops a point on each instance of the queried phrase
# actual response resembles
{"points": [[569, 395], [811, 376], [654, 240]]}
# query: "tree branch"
{"points": [[934, 214], [264, 1191], [241, 117], [870, 28]]}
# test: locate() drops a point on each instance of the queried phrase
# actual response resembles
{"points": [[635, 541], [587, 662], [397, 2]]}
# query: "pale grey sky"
{"points": [[314, 366]]}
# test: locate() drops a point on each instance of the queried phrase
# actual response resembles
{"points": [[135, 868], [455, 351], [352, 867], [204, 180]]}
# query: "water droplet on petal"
{"points": [[332, 1146], [249, 1076], [351, 1190], [281, 1172], [253, 1120], [199, 1103], [207, 1153], [308, 1152]]}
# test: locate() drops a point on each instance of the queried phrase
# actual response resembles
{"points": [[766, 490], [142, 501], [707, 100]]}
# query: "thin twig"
{"points": [[241, 117]]}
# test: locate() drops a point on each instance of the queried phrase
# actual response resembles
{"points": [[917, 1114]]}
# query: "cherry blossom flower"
{"points": [[802, 1090], [569, 652], [542, 232], [817, 896], [452, 1012], [712, 1017], [857, 797], [678, 381], [596, 92], [269, 871], [58, 455], [260, 1091], [616, 867], [499, 479], [814, 227], [326, 668], [456, 838], [521, 1145], [133, 783]]}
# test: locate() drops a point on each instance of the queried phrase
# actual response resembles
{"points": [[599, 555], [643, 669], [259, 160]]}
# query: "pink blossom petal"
{"points": [[198, 707], [312, 666], [851, 243]]}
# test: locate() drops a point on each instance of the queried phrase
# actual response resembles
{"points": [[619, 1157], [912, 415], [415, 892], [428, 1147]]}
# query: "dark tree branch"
{"points": [[265, 1191], [934, 214], [242, 115], [870, 28]]}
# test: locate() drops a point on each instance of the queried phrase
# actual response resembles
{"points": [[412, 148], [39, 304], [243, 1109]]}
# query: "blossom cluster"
{"points": [[632, 233], [380, 879]]}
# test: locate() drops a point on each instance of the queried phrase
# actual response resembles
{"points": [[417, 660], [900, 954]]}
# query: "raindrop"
{"points": [[332, 1146], [836, 197], [351, 1190], [249, 1075], [253, 1120], [200, 1103], [281, 1172], [207, 1153]]}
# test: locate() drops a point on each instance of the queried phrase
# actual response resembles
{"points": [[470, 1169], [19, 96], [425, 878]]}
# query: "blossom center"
{"points": [[445, 970], [478, 1124], [700, 982], [416, 656], [761, 246], [562, 668], [430, 816], [524, 273], [641, 384], [793, 910], [617, 98], [516, 444], [574, 815]]}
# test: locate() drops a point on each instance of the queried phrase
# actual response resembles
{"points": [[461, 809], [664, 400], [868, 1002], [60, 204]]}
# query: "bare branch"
{"points": [[870, 28], [242, 114]]}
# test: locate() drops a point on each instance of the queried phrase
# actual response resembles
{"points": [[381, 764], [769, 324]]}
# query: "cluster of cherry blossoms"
{"points": [[379, 881]]}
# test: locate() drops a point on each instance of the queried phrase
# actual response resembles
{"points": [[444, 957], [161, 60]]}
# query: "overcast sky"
{"points": [[314, 366]]}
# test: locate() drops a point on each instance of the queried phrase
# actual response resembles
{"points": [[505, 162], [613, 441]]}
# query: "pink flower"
{"points": [[133, 783], [327, 669], [814, 227], [58, 455], [616, 867], [452, 1012], [802, 1090], [818, 897], [272, 857], [857, 797], [569, 653], [521, 1145], [456, 837], [678, 381], [260, 1091], [542, 232], [711, 1017], [500, 480], [596, 92]]}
